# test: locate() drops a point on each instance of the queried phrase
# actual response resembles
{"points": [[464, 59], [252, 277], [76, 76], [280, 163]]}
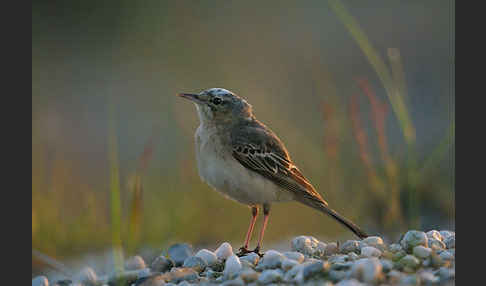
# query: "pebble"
{"points": [[436, 244], [249, 275], [161, 264], [410, 280], [413, 238], [331, 248], [180, 252], [428, 278], [224, 251], [40, 281], [294, 255], [87, 276], [446, 255], [395, 247], [349, 282], [154, 280], [303, 244], [375, 241], [182, 274], [288, 264], [352, 256], [450, 242], [252, 258], [317, 268], [370, 251], [135, 263], [270, 276], [386, 264], [232, 267], [409, 263], [434, 234], [271, 260], [446, 273], [368, 270], [421, 252], [446, 233], [235, 282], [196, 263], [349, 246], [208, 256]]}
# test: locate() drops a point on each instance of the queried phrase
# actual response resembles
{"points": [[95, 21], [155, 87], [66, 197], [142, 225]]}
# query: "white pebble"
{"points": [[434, 234], [40, 281], [208, 256], [270, 276], [367, 269], [232, 267], [370, 251], [297, 256], [421, 251], [134, 263], [224, 251]]}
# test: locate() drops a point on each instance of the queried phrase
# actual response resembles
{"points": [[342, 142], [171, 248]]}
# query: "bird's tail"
{"points": [[322, 206]]}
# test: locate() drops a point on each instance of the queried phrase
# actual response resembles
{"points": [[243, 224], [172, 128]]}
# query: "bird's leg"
{"points": [[244, 249], [266, 213]]}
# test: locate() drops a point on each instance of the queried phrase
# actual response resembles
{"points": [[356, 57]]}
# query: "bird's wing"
{"points": [[258, 149]]}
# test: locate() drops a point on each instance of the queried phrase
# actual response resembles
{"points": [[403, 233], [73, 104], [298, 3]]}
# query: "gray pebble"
{"points": [[338, 258], [410, 280], [428, 278], [413, 238], [395, 247], [352, 256], [135, 263], [180, 252], [450, 242], [208, 256], [161, 264], [386, 264], [331, 248], [182, 274], [349, 282], [232, 267], [288, 264], [409, 263], [375, 241], [368, 270], [337, 275], [370, 251], [224, 251], [446, 255], [297, 256], [271, 260], [270, 276], [40, 281], [87, 277], [446, 233], [235, 282], [421, 252], [446, 274], [303, 244], [349, 246], [196, 263], [154, 280], [436, 244], [249, 275], [434, 234], [253, 258], [316, 268]]}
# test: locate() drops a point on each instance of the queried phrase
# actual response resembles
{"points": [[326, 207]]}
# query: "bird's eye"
{"points": [[217, 100]]}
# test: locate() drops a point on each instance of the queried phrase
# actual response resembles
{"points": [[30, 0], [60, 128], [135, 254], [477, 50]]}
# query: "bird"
{"points": [[245, 161]]}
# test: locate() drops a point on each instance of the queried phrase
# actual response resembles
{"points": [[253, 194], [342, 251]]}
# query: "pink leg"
{"points": [[254, 212], [266, 213]]}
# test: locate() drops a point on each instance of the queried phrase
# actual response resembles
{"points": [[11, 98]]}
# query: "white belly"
{"points": [[226, 175]]}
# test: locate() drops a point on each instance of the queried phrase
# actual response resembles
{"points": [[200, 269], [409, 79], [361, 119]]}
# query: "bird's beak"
{"points": [[193, 97]]}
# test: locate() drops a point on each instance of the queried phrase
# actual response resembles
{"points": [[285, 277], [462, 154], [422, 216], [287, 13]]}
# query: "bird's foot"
{"points": [[257, 251], [243, 251]]}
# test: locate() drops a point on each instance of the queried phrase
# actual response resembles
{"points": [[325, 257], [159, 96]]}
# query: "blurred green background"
{"points": [[113, 148]]}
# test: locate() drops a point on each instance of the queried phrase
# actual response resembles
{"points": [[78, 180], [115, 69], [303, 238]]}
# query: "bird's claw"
{"points": [[257, 251], [243, 251]]}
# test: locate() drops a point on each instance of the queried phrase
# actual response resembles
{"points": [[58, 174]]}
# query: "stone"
{"points": [[446, 255], [410, 280], [235, 282], [395, 247], [375, 241], [271, 260], [368, 270], [87, 277], [352, 256], [161, 264], [40, 281], [409, 263], [288, 264], [331, 249], [252, 258], [349, 282], [208, 256], [315, 269], [196, 263], [180, 252], [370, 251], [135, 263], [249, 275], [450, 242], [349, 246], [303, 244], [421, 252], [386, 264], [232, 267], [436, 244], [294, 255], [153, 280], [413, 238], [270, 276], [434, 234], [177, 275], [446, 233], [224, 251]]}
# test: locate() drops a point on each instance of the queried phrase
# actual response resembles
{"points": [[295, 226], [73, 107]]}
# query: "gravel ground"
{"points": [[419, 258]]}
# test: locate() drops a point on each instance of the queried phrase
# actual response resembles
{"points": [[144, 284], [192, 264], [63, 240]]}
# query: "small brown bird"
{"points": [[245, 161]]}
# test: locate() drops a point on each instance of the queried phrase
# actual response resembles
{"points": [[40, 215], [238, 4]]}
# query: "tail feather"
{"points": [[322, 206]]}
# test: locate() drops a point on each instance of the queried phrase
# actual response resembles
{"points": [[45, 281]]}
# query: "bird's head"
{"points": [[218, 105]]}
